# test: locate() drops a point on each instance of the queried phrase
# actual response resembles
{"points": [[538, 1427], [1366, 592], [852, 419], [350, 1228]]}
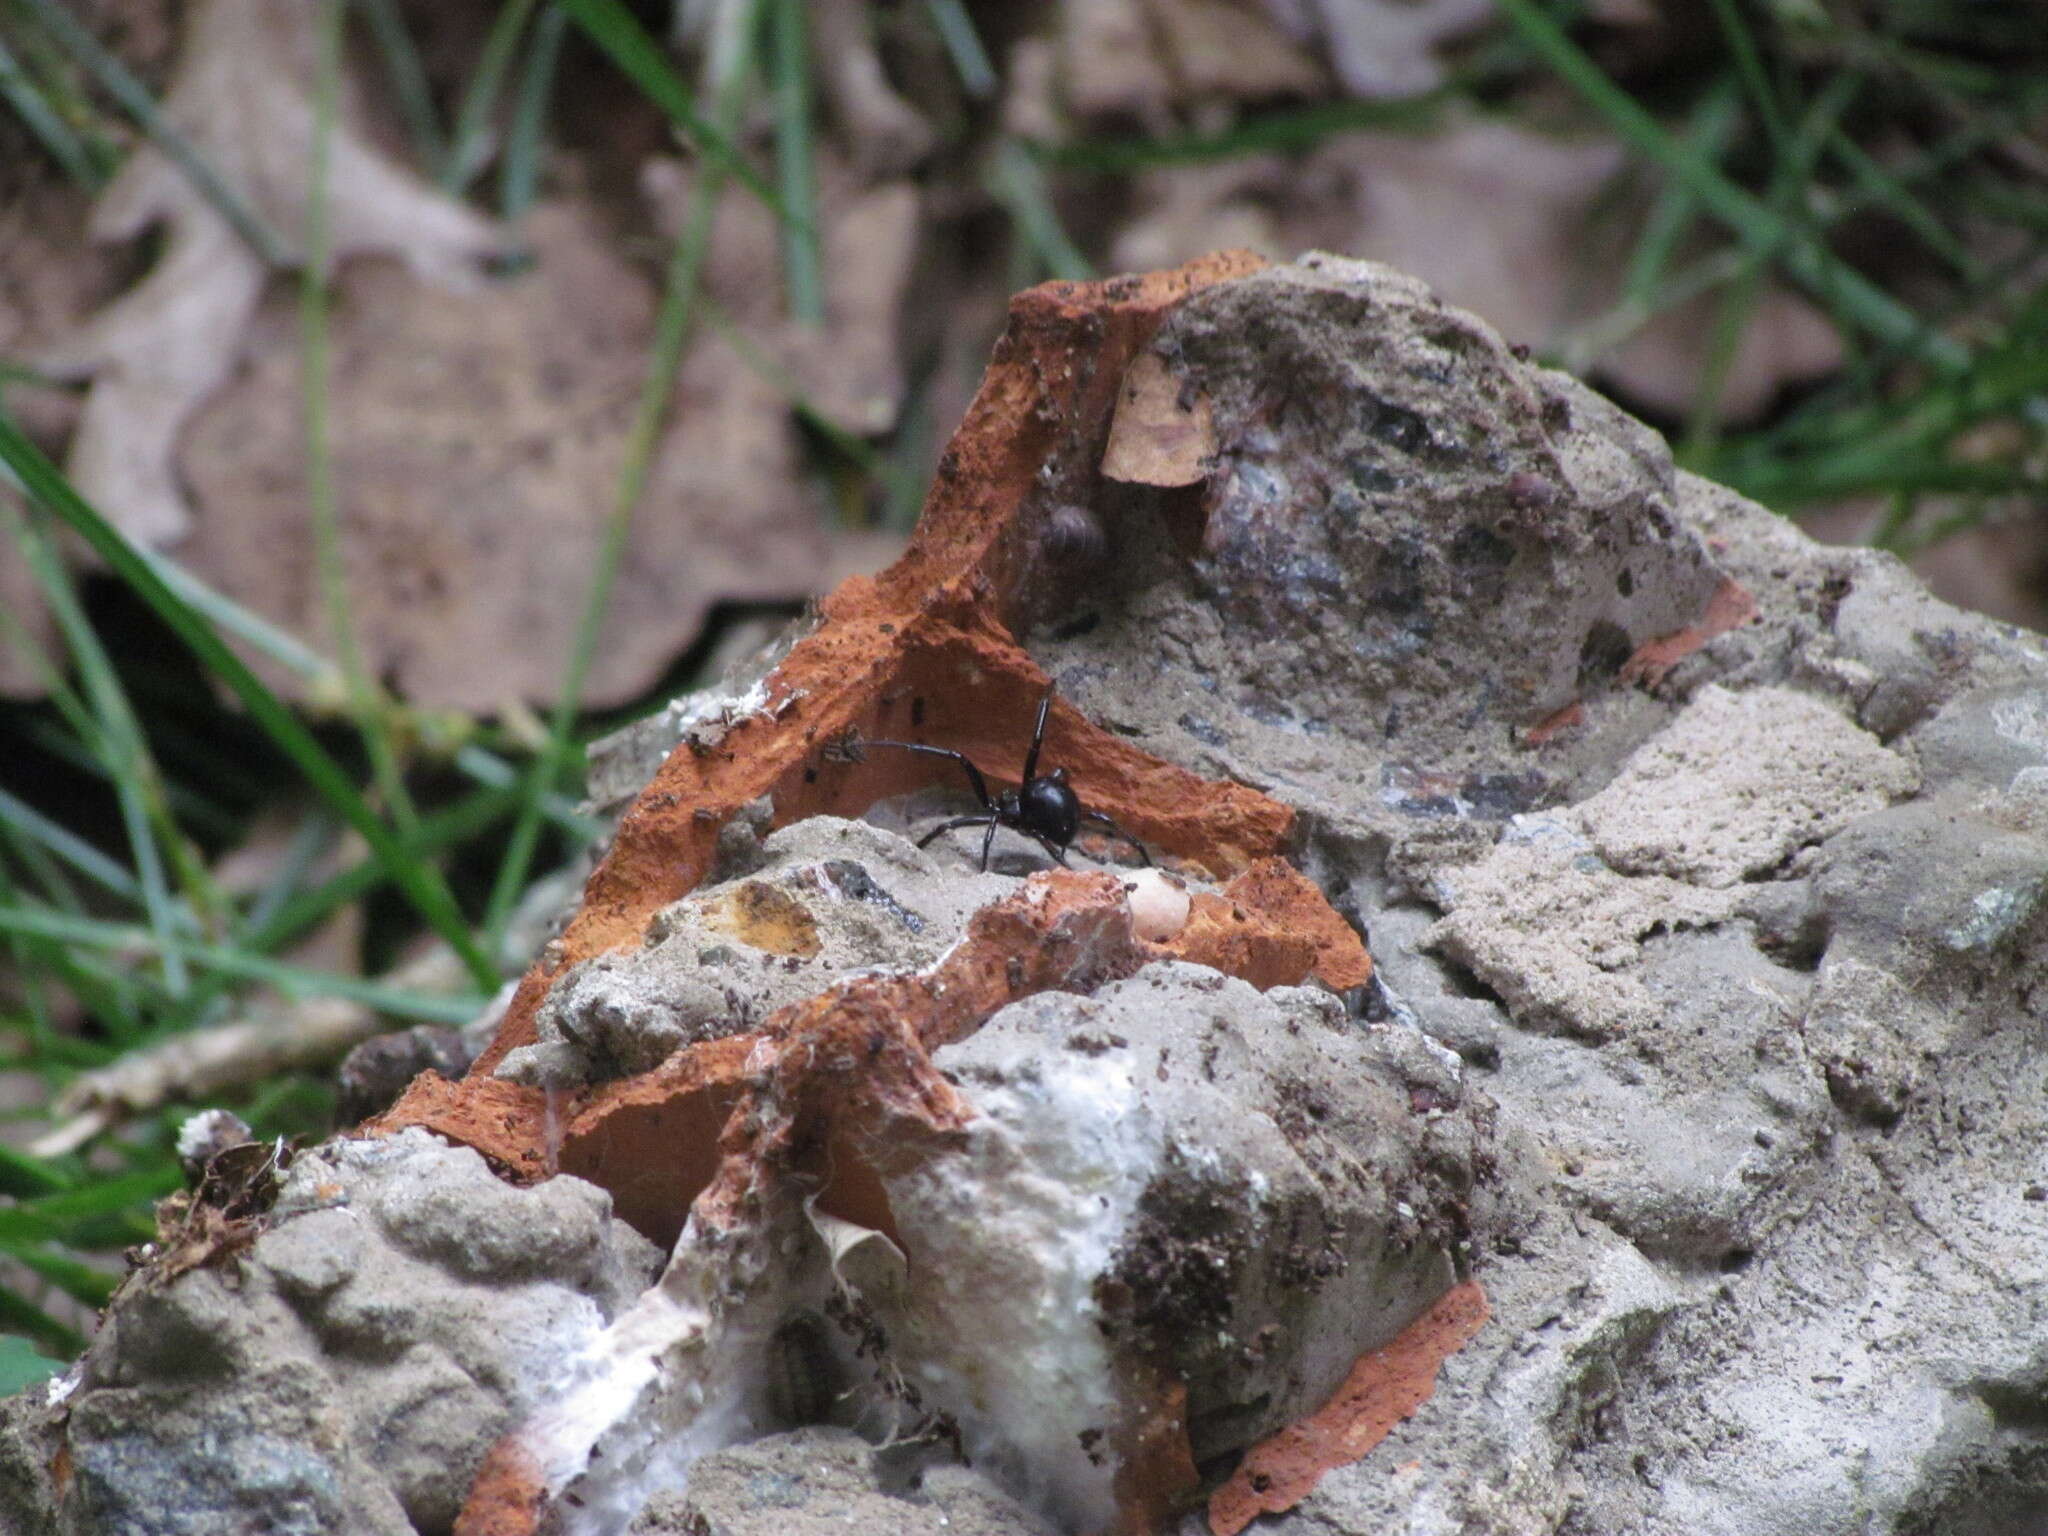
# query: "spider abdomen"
{"points": [[1049, 807]]}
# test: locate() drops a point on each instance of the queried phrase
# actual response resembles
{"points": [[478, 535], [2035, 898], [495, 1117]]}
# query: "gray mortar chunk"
{"points": [[1557, 934], [1870, 1037], [348, 1370], [1928, 889], [1414, 547], [1247, 1190], [821, 900], [829, 1482], [1738, 782]]}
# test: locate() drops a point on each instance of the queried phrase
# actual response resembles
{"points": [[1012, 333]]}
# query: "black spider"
{"points": [[1044, 807]]}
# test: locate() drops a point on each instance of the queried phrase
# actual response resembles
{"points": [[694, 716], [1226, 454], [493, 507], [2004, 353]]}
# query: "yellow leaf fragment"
{"points": [[1164, 431]]}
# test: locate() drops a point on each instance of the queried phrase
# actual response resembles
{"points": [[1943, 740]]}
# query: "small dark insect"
{"points": [[1044, 807]]}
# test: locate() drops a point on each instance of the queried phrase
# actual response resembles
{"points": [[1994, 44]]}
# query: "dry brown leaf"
{"points": [[850, 369], [1382, 47], [887, 135], [1997, 567], [1148, 59], [1163, 432], [241, 96], [1108, 66], [1537, 270], [476, 439], [1217, 48]]}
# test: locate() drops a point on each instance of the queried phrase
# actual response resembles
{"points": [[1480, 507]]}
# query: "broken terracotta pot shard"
{"points": [[1384, 1387]]}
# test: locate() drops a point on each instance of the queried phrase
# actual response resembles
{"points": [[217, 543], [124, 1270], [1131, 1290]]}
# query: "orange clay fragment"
{"points": [[1555, 724], [506, 1495], [1730, 606], [1384, 1387]]}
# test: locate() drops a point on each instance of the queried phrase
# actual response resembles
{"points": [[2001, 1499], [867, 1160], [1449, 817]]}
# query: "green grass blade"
{"points": [[1853, 298], [1884, 190], [135, 100], [26, 1178], [519, 166], [1291, 130], [1713, 121], [67, 845], [625, 42], [671, 334], [56, 1217], [119, 739], [1018, 184], [329, 566], [1749, 66], [963, 44], [408, 78], [858, 450], [225, 614], [288, 651], [789, 56], [231, 617], [494, 772], [312, 838], [83, 753], [42, 868], [422, 886], [1790, 181], [298, 912], [81, 1282], [24, 1318], [103, 990], [291, 980], [21, 1367], [26, 961], [470, 148], [44, 121]]}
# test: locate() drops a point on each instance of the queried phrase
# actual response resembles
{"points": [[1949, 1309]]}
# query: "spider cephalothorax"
{"points": [[1044, 807]]}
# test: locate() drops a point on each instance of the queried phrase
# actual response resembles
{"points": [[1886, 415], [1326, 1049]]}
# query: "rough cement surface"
{"points": [[348, 1369], [1750, 959], [793, 913], [827, 1482], [1247, 1190], [1737, 784], [1746, 968]]}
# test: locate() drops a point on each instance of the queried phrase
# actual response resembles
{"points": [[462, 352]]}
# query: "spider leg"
{"points": [[1118, 833], [1038, 733], [947, 826], [989, 841], [973, 773], [1058, 853]]}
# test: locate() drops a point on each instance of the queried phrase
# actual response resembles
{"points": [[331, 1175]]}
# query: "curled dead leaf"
{"points": [[1163, 433], [242, 97]]}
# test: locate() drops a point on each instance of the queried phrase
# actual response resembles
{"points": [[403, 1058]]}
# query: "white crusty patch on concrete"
{"points": [[1005, 1329], [1554, 931], [1738, 783]]}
